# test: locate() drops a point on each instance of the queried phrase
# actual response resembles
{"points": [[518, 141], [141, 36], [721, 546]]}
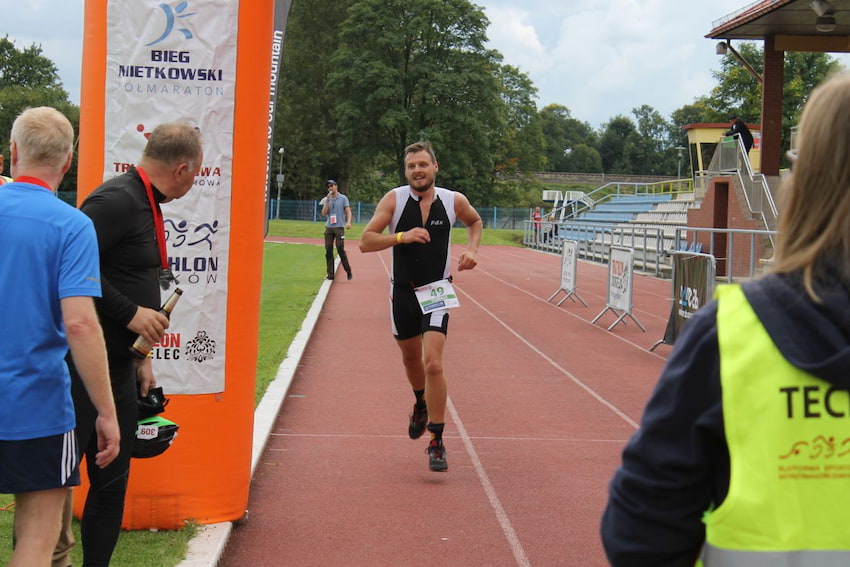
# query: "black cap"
{"points": [[330, 182]]}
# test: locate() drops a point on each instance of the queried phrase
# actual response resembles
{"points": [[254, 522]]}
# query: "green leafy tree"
{"points": [[563, 135], [28, 78], [27, 68], [803, 72], [697, 112], [305, 125], [740, 93], [648, 148], [583, 159], [521, 141], [616, 133], [423, 74]]}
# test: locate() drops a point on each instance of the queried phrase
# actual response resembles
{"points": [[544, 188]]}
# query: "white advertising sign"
{"points": [[620, 279], [172, 61], [569, 260]]}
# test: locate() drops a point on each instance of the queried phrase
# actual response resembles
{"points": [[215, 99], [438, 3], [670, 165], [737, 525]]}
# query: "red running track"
{"points": [[541, 402]]}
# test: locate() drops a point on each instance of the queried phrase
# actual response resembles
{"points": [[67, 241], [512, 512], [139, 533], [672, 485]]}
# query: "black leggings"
{"points": [[101, 523]]}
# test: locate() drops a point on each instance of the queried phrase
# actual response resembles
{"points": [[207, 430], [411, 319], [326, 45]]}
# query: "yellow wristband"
{"points": [[398, 237]]}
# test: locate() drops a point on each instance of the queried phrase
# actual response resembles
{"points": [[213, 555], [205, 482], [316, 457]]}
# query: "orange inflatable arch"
{"points": [[205, 476]]}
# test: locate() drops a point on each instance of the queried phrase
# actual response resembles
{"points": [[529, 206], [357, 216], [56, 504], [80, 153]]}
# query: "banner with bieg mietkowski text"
{"points": [[177, 61]]}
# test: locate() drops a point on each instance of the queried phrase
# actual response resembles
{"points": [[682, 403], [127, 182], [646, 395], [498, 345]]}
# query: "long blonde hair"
{"points": [[814, 219]]}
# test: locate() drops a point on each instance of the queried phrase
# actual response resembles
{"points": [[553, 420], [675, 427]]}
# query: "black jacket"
{"points": [[129, 256], [677, 464], [739, 128]]}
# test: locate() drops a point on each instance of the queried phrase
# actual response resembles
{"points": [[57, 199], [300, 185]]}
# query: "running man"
{"points": [[420, 217]]}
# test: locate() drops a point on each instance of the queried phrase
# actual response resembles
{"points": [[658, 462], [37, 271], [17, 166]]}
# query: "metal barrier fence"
{"points": [[731, 159], [288, 209], [596, 239], [740, 253], [571, 208], [742, 260]]}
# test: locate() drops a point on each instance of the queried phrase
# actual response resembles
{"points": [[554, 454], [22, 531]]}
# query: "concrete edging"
{"points": [[207, 547]]}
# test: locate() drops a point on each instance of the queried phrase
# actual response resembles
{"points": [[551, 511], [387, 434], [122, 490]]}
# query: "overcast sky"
{"points": [[599, 58]]}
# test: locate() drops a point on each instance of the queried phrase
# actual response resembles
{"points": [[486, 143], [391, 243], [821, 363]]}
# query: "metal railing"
{"points": [[653, 245], [573, 209], [689, 239], [361, 212], [596, 239], [730, 159], [731, 16]]}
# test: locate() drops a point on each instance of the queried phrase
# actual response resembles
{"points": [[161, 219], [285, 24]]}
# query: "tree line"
{"points": [[361, 79], [27, 79]]}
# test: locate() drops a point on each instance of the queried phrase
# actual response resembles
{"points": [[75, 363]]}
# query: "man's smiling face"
{"points": [[420, 171]]}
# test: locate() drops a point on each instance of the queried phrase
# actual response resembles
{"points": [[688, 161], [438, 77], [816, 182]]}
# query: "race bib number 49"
{"points": [[436, 295]]}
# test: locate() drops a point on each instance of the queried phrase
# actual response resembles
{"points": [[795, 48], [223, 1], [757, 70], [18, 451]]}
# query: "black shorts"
{"points": [[407, 318], [39, 464]]}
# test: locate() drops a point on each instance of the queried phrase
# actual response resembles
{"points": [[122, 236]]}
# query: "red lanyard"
{"points": [[33, 181], [158, 223]]}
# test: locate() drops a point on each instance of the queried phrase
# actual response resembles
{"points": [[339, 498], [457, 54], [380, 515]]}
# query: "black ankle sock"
{"points": [[436, 430], [420, 397]]}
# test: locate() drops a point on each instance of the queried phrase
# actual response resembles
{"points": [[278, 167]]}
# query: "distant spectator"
{"points": [[3, 178], [336, 208], [738, 128], [551, 229], [537, 218]]}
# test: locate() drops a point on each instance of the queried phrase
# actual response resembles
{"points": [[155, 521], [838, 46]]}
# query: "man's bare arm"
{"points": [[85, 339], [470, 217]]}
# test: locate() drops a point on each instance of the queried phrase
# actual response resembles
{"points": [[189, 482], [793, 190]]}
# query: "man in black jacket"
{"points": [[133, 263], [738, 128]]}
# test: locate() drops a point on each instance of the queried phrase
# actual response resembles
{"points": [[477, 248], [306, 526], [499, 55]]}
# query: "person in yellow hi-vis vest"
{"points": [[743, 454]]}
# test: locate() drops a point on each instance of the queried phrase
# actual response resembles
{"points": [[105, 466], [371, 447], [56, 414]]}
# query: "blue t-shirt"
{"points": [[336, 211], [49, 252]]}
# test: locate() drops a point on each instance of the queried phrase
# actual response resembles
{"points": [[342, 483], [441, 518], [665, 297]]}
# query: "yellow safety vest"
{"points": [[788, 434]]}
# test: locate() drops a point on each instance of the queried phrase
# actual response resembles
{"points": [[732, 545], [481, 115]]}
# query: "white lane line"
{"points": [[495, 503], [490, 491], [473, 437], [560, 368], [604, 278], [571, 314], [600, 264]]}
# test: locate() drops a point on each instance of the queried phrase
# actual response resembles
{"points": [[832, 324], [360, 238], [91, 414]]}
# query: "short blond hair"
{"points": [[43, 137], [814, 219]]}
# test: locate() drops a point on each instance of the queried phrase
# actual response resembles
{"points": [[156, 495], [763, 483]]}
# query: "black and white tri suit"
{"points": [[418, 264]]}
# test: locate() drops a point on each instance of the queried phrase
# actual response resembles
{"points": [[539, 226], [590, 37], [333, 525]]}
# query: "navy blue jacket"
{"points": [[677, 464]]}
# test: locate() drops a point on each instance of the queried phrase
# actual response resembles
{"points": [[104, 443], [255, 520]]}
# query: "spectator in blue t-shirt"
{"points": [[335, 207], [49, 275]]}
